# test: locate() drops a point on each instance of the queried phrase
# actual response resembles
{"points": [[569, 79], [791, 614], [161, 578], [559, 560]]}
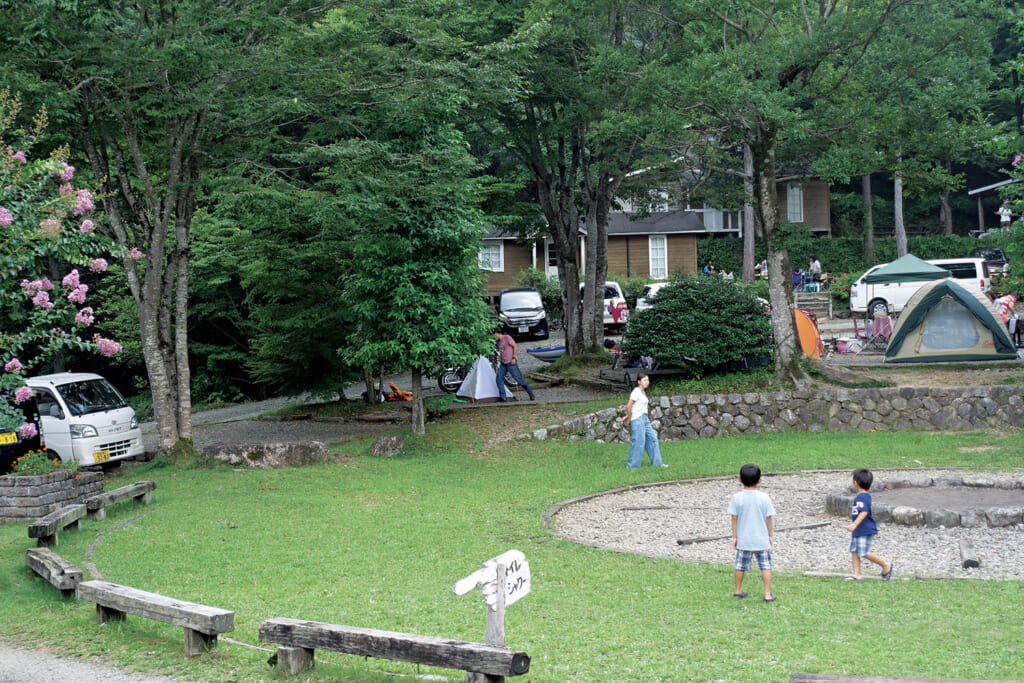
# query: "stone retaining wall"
{"points": [[844, 410], [36, 496]]}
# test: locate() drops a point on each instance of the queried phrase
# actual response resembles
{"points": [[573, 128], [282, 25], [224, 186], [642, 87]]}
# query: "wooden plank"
{"points": [[403, 647], [46, 528], [54, 568], [209, 620], [839, 678], [968, 555], [702, 539]]}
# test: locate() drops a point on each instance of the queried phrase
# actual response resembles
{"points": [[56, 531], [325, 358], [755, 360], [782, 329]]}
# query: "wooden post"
{"points": [[494, 631]]}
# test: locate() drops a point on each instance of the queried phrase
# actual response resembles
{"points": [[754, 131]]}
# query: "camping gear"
{"points": [[397, 394], [810, 338], [881, 331], [547, 355], [944, 321], [481, 384]]}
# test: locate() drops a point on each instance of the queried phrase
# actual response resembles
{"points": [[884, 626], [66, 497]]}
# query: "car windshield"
{"points": [[518, 301], [90, 396], [990, 254]]}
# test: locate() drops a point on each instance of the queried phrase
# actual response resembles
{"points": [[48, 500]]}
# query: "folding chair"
{"points": [[881, 330]]}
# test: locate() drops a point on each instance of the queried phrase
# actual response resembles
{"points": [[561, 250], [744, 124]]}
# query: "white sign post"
{"points": [[502, 581]]}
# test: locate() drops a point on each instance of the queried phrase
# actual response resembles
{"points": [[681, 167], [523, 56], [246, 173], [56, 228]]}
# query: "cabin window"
{"points": [[657, 248], [492, 256]]}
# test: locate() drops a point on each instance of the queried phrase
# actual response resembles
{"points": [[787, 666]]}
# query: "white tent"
{"points": [[481, 384]]}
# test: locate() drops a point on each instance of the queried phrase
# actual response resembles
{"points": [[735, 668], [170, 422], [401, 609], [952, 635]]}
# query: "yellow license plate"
{"points": [[8, 437], [100, 456]]}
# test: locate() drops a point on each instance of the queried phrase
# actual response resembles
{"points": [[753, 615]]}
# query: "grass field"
{"points": [[379, 543]]}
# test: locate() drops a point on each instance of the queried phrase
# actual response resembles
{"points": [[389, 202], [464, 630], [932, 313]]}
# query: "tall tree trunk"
{"points": [[897, 208], [780, 283], [152, 213], [748, 214], [869, 217], [419, 425]]}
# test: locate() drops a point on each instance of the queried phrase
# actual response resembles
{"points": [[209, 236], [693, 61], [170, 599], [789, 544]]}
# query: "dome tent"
{"points": [[945, 322]]}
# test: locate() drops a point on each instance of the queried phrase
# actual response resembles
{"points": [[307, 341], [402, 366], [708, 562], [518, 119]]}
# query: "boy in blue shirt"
{"points": [[752, 530], [863, 527]]}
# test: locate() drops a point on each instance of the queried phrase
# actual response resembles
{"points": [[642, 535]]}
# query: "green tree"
{"points": [[152, 89]]}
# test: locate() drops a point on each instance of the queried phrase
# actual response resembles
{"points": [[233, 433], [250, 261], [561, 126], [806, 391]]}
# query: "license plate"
{"points": [[8, 437], [524, 328], [100, 456]]}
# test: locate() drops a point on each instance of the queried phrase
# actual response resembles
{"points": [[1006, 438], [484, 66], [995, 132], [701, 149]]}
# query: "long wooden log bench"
{"points": [[55, 569], [46, 528], [140, 491], [841, 678], [202, 624], [299, 639]]}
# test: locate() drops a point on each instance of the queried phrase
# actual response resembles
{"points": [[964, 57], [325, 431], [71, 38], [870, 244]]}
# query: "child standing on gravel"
{"points": [[752, 530], [863, 527]]}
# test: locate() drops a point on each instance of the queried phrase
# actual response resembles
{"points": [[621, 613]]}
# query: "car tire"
{"points": [[877, 306]]}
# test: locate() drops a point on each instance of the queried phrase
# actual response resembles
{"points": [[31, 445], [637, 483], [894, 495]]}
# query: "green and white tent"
{"points": [[907, 268], [943, 321]]}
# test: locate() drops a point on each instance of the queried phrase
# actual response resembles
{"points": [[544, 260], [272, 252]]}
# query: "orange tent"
{"points": [[810, 339]]}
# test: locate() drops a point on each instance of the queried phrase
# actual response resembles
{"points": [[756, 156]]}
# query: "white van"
{"points": [[616, 312], [85, 419], [891, 297]]}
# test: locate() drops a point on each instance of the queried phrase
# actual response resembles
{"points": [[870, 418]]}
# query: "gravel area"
{"points": [[649, 521]]}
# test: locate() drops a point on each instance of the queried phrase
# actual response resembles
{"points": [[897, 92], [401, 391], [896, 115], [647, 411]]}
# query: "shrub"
{"points": [[38, 462], [701, 323]]}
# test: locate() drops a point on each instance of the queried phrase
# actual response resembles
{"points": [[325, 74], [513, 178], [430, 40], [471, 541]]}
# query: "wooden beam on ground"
{"points": [[968, 555], [46, 528], [55, 569], [403, 647]]}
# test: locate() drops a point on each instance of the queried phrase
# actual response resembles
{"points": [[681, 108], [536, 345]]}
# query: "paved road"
{"points": [[35, 666]]}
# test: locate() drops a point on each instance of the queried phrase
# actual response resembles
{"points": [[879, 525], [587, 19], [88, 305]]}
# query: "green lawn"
{"points": [[379, 543]]}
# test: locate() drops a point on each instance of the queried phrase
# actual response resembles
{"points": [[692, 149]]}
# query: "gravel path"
{"points": [[650, 520], [36, 666]]}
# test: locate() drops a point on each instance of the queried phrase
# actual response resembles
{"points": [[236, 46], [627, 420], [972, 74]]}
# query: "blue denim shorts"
{"points": [[743, 557], [861, 545]]}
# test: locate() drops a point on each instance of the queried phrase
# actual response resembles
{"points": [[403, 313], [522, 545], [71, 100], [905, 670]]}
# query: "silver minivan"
{"points": [[891, 297], [85, 419]]}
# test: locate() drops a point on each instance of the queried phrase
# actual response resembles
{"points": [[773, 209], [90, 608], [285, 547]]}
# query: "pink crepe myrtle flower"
{"points": [[6, 218], [66, 172], [50, 226], [34, 286], [83, 203], [70, 280], [108, 347], [22, 394], [13, 365], [87, 226], [65, 188], [78, 294], [1017, 160], [42, 300], [19, 156], [135, 254], [85, 316], [98, 265], [28, 430]]}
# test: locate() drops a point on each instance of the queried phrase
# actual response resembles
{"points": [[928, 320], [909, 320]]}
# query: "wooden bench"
{"points": [[141, 491], [838, 678], [55, 569], [300, 638], [46, 528], [201, 623]]}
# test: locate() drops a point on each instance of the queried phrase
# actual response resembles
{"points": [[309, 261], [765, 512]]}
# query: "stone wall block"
{"points": [[944, 518], [1001, 517]]}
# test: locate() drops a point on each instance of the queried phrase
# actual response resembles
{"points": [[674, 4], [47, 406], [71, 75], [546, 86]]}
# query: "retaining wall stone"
{"points": [[33, 496], [704, 416]]}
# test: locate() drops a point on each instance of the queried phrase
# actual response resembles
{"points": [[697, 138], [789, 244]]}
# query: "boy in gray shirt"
{"points": [[752, 530]]}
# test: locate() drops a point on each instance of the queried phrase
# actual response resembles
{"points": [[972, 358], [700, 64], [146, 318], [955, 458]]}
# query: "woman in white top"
{"points": [[644, 437]]}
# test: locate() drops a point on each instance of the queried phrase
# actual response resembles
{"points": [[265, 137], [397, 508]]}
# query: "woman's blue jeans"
{"points": [[644, 438]]}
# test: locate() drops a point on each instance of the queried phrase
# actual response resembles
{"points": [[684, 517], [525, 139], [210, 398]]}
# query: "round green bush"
{"points": [[703, 324]]}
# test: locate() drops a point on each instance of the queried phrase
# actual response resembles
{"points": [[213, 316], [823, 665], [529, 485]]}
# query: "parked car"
{"points": [[891, 297], [994, 257], [522, 315], [85, 419], [616, 311], [13, 445], [643, 302]]}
